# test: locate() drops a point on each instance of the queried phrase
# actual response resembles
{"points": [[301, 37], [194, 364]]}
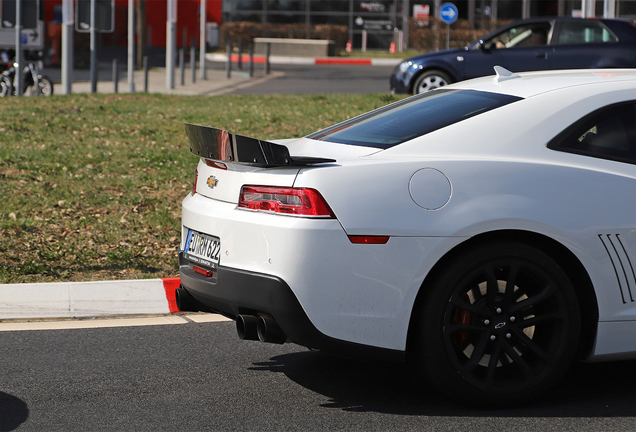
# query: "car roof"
{"points": [[528, 84]]}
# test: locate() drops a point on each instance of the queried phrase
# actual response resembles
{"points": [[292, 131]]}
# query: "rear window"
{"points": [[413, 117]]}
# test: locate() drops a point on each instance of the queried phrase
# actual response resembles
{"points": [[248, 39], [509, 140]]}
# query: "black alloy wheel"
{"points": [[500, 326]]}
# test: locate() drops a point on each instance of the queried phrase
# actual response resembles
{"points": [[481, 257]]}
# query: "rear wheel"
{"points": [[430, 80], [5, 86], [500, 326], [45, 86]]}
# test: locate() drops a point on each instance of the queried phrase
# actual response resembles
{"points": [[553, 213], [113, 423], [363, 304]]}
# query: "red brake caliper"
{"points": [[461, 317]]}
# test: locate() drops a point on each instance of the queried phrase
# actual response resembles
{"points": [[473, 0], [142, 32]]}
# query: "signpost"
{"points": [[448, 13]]}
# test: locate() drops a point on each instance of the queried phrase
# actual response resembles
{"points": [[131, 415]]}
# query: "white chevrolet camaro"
{"points": [[486, 230]]}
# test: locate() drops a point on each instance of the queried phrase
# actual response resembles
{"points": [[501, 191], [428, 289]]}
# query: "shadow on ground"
{"points": [[591, 390]]}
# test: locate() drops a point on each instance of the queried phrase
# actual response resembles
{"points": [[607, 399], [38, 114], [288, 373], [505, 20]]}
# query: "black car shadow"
{"points": [[13, 412], [590, 390]]}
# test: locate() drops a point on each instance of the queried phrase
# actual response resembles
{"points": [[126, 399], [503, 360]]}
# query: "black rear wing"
{"points": [[220, 145]]}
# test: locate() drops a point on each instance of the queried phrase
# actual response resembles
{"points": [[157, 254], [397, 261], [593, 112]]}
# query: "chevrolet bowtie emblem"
{"points": [[212, 181]]}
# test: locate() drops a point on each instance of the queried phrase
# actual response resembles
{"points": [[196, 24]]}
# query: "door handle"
{"points": [[543, 55]]}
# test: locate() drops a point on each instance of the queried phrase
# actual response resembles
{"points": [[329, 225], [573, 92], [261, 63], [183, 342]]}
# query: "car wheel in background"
{"points": [[499, 326], [430, 80], [6, 87], [45, 87]]}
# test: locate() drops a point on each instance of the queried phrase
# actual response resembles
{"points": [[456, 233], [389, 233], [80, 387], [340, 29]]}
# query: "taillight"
{"points": [[285, 200], [196, 179]]}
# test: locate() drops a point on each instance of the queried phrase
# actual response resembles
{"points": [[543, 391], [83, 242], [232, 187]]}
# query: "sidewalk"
{"points": [[215, 84]]}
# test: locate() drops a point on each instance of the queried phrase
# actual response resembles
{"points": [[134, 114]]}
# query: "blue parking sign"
{"points": [[448, 13]]}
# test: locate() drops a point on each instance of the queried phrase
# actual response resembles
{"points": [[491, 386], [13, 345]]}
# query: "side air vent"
{"points": [[622, 264]]}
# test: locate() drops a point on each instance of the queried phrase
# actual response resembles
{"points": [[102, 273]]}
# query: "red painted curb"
{"points": [[343, 61], [170, 285]]}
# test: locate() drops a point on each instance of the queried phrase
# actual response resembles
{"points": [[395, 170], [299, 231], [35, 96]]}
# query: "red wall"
{"points": [[156, 15]]}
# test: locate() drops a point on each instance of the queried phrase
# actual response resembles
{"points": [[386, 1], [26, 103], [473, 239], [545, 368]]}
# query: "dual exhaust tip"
{"points": [[264, 329], [248, 327]]}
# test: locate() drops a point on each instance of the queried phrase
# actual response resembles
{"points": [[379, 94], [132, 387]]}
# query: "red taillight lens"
{"points": [[283, 200], [196, 179], [368, 239]]}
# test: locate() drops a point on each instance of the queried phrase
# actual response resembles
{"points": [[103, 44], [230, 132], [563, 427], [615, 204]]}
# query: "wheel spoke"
{"points": [[518, 360], [476, 356], [464, 305], [492, 289], [463, 328], [492, 363], [543, 295], [532, 346], [511, 283], [543, 318]]}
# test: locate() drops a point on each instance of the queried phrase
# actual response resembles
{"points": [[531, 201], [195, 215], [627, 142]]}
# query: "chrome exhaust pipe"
{"points": [[185, 302], [269, 331], [246, 327]]}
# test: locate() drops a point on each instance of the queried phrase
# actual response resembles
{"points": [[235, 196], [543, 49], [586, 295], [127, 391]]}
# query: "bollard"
{"points": [[240, 54], [267, 49], [193, 62], [115, 76], [145, 74], [251, 49], [182, 66], [228, 65]]}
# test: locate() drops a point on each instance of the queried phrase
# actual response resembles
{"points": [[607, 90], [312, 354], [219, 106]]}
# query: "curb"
{"points": [[306, 60], [88, 299]]}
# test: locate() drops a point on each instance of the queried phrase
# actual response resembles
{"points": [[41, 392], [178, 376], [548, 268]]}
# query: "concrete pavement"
{"points": [[215, 84]]}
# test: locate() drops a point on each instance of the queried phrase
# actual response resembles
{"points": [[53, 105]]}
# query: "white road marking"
{"points": [[205, 318], [109, 322]]}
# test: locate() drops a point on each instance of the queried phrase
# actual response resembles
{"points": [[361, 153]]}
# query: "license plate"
{"points": [[202, 249]]}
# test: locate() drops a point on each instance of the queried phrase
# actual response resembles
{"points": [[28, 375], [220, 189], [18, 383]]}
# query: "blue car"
{"points": [[524, 45]]}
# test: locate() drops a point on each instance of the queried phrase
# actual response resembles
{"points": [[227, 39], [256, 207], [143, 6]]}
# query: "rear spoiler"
{"points": [[218, 144]]}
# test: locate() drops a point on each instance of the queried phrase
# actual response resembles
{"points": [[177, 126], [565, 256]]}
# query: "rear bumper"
{"points": [[231, 292]]}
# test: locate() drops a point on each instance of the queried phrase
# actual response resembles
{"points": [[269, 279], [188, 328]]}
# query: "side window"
{"points": [[609, 133], [587, 31], [520, 36]]}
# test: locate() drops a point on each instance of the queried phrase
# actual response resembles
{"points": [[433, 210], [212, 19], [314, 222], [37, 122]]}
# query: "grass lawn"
{"points": [[91, 184]]}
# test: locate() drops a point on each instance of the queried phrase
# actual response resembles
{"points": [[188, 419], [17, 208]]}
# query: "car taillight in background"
{"points": [[285, 200]]}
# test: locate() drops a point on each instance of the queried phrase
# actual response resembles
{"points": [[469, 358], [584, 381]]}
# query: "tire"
{"points": [[45, 87], [6, 87], [500, 326], [430, 80]]}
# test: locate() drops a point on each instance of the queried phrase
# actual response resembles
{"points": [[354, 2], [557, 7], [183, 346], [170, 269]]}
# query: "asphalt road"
{"points": [[201, 377], [347, 79]]}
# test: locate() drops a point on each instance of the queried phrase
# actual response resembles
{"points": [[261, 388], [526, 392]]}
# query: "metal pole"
{"points": [[145, 74], [202, 42], [131, 46], [67, 46], [251, 69], [240, 54], [171, 42], [182, 66], [115, 76], [193, 61], [18, 48], [228, 65], [93, 50], [267, 51], [447, 36]]}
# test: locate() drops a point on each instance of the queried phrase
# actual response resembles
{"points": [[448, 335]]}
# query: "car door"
{"points": [[519, 48], [583, 44]]}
